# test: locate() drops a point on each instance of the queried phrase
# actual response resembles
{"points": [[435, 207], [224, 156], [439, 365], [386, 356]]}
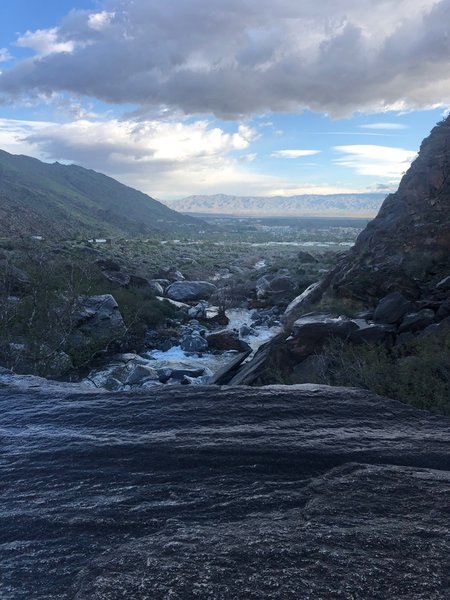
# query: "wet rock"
{"points": [[392, 308], [178, 369], [193, 342], [140, 373], [185, 291], [199, 310], [226, 340], [224, 375], [245, 330], [208, 492]]}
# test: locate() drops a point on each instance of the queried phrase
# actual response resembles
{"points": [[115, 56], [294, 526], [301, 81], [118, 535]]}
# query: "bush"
{"points": [[417, 373]]}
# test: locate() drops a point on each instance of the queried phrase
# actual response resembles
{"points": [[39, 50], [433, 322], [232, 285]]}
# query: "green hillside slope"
{"points": [[57, 200]]}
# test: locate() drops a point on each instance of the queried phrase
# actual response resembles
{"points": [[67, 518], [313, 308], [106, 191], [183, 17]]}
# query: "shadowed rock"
{"points": [[207, 492]]}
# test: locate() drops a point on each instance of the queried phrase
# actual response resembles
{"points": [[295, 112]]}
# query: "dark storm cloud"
{"points": [[235, 58]]}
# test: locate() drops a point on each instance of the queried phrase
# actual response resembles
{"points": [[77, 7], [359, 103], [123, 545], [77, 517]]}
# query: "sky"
{"points": [[245, 97]]}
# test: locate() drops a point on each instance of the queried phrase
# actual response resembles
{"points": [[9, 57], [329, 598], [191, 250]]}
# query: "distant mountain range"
{"points": [[330, 205], [55, 200]]}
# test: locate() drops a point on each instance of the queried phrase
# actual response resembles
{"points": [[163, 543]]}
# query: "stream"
{"points": [[209, 362]]}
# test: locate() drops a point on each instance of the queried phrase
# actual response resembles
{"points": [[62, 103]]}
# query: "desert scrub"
{"points": [[417, 373]]}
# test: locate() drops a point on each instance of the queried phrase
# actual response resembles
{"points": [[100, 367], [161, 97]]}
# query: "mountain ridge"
{"points": [[319, 205], [55, 200]]}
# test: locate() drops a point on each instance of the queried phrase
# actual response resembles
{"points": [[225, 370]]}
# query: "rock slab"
{"points": [[208, 492]]}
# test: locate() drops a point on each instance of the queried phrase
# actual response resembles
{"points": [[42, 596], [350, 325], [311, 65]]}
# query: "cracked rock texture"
{"points": [[304, 492]]}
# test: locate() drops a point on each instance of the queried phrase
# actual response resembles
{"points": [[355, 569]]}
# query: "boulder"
{"points": [[141, 373], [193, 342], [417, 321], [304, 301], [117, 278], [392, 308], [199, 310], [275, 287], [98, 319], [169, 273], [226, 340], [311, 370], [107, 264], [369, 333], [185, 291], [178, 369], [310, 332]]}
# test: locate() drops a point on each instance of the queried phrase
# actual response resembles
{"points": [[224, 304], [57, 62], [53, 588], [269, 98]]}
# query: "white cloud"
{"points": [[379, 161], [163, 159], [45, 42], [392, 126], [294, 153], [4, 55], [243, 57], [99, 21]]}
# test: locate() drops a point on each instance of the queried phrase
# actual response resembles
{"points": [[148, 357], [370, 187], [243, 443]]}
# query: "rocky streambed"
{"points": [[226, 493], [195, 356]]}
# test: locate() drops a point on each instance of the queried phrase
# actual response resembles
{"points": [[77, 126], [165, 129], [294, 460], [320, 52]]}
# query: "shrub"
{"points": [[417, 373]]}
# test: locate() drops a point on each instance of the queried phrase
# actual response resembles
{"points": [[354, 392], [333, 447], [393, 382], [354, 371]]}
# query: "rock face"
{"points": [[98, 319], [185, 291], [406, 248], [206, 492]]}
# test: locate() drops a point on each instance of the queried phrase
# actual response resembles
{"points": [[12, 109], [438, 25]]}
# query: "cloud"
{"points": [[379, 161], [164, 159], [45, 42], [5, 55], [393, 126], [294, 153], [243, 57]]}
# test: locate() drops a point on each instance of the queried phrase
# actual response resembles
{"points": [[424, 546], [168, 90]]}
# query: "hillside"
{"points": [[57, 200], [407, 246], [331, 205]]}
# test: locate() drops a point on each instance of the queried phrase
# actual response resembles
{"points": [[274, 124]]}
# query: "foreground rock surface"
{"points": [[221, 493]]}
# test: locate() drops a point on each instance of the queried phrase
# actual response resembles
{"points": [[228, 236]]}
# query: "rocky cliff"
{"points": [[406, 248], [220, 493]]}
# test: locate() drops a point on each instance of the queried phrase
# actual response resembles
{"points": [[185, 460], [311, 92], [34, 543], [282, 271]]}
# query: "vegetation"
{"points": [[417, 373], [68, 201]]}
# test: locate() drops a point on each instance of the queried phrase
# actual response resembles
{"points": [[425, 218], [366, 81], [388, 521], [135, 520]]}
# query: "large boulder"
{"points": [[186, 291], [98, 319], [117, 278], [392, 308], [275, 288], [226, 340]]}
